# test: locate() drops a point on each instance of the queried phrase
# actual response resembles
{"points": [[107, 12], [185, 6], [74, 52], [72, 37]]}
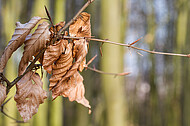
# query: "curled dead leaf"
{"points": [[29, 95], [52, 54], [61, 66], [80, 61], [72, 88], [3, 95], [80, 50], [81, 27], [66, 80], [21, 31], [34, 43]]}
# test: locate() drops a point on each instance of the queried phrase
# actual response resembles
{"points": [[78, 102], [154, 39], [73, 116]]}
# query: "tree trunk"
{"points": [[112, 61], [183, 46]]}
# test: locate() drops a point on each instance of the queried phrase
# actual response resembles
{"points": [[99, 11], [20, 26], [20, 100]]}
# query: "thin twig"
{"points": [[102, 72], [47, 12], [5, 79], [92, 59], [127, 45], [75, 17], [148, 51], [2, 111], [135, 41]]}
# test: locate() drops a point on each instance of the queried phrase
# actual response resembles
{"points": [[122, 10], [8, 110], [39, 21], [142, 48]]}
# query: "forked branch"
{"points": [[2, 111]]}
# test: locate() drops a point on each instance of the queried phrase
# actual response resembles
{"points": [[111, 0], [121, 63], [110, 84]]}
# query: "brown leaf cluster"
{"points": [[29, 95], [29, 92], [64, 60]]}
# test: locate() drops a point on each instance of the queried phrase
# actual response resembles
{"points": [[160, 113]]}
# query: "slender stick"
{"points": [[75, 17], [148, 51], [5, 79], [47, 12], [102, 72], [128, 45], [2, 111], [161, 53]]}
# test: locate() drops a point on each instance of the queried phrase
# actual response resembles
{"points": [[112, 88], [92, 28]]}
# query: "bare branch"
{"points": [[92, 59], [148, 51], [47, 12], [2, 111], [101, 72], [4, 79], [136, 41]]}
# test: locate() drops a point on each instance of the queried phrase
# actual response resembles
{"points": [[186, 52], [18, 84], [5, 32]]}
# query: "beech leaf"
{"points": [[34, 43], [3, 95], [29, 95], [21, 31], [81, 27], [61, 66], [52, 53], [80, 50], [72, 88]]}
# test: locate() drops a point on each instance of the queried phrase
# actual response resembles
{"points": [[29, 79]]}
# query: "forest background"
{"points": [[157, 90]]}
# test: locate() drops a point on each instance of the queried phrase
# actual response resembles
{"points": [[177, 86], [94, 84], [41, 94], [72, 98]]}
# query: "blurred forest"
{"points": [[156, 93]]}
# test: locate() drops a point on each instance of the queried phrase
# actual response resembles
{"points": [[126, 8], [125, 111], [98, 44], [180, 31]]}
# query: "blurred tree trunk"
{"points": [[186, 78], [112, 61], [153, 111], [10, 16], [183, 46]]}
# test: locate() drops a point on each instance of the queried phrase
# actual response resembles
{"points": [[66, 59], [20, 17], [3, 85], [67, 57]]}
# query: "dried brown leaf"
{"points": [[61, 66], [80, 50], [65, 78], [72, 88], [29, 95], [3, 95], [21, 31], [81, 27], [52, 54], [34, 43]]}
